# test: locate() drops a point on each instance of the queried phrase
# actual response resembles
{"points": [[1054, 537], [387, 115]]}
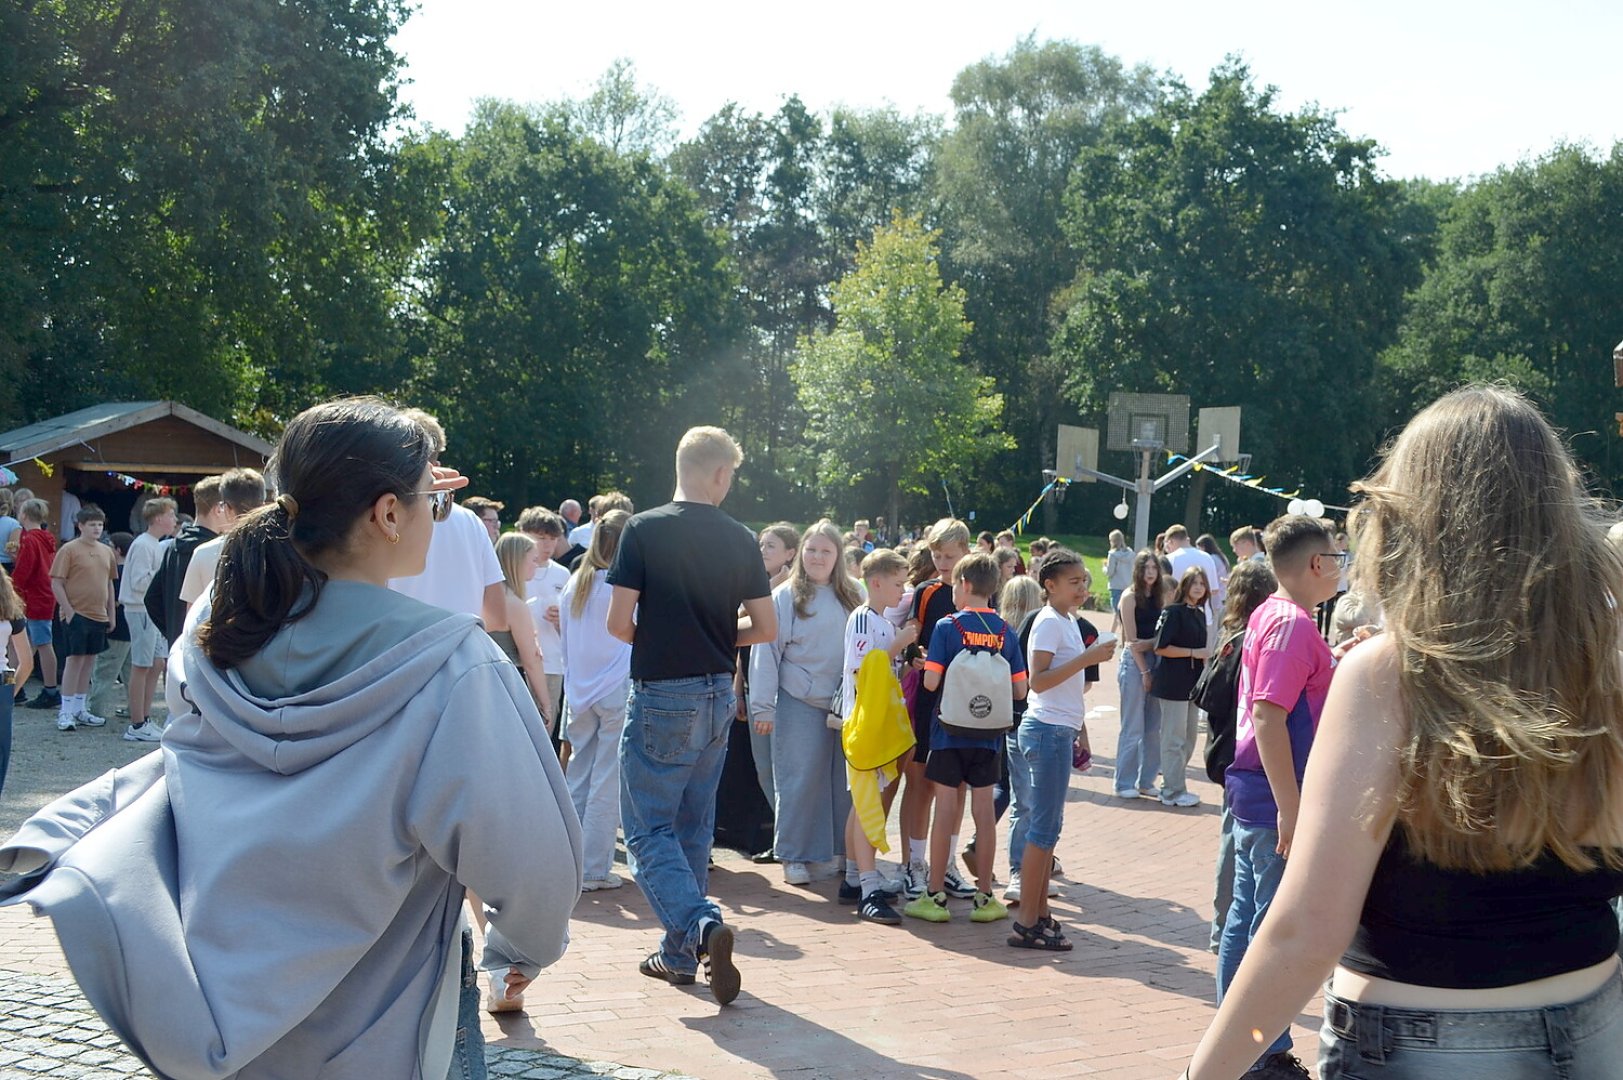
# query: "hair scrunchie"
{"points": [[289, 505]]}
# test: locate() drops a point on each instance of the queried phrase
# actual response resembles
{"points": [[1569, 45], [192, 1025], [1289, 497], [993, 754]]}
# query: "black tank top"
{"points": [[1145, 617], [1427, 926]]}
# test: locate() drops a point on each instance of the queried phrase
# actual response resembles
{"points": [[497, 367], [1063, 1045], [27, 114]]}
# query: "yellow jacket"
{"points": [[875, 735]]}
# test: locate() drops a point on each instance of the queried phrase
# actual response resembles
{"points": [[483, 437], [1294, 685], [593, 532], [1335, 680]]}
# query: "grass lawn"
{"points": [[1091, 548]]}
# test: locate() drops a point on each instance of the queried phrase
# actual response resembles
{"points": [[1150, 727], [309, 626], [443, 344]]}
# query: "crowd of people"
{"points": [[1420, 754]]}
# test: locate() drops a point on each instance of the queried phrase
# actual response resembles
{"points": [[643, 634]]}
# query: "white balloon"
{"points": [[1296, 506], [1313, 508], [1120, 511]]}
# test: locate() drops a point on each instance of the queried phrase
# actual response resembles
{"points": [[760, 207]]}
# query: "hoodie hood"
{"points": [[325, 682]]}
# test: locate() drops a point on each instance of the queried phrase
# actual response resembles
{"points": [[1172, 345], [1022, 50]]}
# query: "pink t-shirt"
{"points": [[1285, 663]]}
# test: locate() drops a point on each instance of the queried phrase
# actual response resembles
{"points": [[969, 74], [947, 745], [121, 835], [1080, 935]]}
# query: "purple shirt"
{"points": [[1285, 663]]}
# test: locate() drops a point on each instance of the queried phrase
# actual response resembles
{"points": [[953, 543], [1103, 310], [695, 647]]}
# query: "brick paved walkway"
{"points": [[826, 995]]}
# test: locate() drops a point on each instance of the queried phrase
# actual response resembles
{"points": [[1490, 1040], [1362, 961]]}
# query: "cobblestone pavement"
{"points": [[828, 996], [48, 1030]]}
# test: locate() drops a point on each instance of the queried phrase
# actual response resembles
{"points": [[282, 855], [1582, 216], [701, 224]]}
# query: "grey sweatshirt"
{"points": [[277, 894], [804, 660]]}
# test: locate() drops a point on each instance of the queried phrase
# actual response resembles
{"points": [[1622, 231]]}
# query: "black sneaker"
{"points": [[1281, 1066], [849, 893], [654, 967], [48, 698], [764, 858], [20, 701], [716, 950], [876, 907]]}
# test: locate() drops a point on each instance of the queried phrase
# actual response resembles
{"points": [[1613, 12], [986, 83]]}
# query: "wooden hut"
{"points": [[118, 454]]}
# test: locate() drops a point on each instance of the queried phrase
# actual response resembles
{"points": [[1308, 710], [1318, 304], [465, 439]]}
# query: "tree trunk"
{"points": [[893, 519], [1050, 504], [1192, 507]]}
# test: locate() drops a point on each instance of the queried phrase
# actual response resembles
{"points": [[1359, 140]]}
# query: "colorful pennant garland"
{"points": [[1234, 476], [1019, 527], [150, 488]]}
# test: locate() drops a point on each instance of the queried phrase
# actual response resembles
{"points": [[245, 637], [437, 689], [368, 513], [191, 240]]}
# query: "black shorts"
{"points": [[84, 637], [975, 766]]}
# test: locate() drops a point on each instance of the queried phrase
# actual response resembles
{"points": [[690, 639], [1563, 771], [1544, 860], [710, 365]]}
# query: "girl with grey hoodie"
{"points": [[277, 891]]}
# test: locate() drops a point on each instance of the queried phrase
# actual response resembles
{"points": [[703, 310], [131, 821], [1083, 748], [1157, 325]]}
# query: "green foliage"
{"points": [[884, 391], [196, 200], [1525, 288], [1242, 256], [574, 311]]}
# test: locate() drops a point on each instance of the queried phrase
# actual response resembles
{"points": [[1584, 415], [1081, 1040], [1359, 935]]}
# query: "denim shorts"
{"points": [[1047, 751], [39, 632], [1580, 1041]]}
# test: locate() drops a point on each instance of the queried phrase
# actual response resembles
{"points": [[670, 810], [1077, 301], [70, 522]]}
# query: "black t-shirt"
{"points": [[1175, 676], [939, 606], [693, 565]]}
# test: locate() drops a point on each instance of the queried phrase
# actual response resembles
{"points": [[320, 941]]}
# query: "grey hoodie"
{"points": [[277, 894]]}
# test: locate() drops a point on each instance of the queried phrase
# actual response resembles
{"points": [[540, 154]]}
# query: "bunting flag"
{"points": [[148, 487], [1234, 476], [1019, 527], [45, 467]]}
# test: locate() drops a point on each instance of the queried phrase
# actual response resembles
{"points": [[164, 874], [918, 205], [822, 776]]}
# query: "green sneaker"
{"points": [[988, 908], [930, 908]]}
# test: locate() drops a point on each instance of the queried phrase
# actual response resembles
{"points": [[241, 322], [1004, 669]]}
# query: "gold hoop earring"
{"points": [[394, 538]]}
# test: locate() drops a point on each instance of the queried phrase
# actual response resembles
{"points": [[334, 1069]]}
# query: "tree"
{"points": [[196, 201], [1243, 256], [625, 117], [1020, 121], [884, 390], [572, 312], [1525, 288]]}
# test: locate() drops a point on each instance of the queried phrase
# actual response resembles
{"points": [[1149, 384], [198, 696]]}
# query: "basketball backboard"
{"points": [[1224, 424], [1148, 422], [1078, 450]]}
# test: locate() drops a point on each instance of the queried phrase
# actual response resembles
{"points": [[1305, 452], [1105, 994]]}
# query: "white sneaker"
{"points": [[147, 732], [796, 873], [1184, 800], [1056, 870], [65, 723], [90, 719], [957, 887], [499, 1001], [610, 880], [915, 879], [1011, 894]]}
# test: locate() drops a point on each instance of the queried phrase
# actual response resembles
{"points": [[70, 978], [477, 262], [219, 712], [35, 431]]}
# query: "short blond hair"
{"points": [[947, 531], [883, 562], [153, 509], [705, 448], [1177, 532]]}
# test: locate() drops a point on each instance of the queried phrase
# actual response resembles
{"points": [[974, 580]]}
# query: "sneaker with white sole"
{"points": [[1183, 800], [796, 873], [915, 880], [955, 886], [499, 1000], [86, 718], [607, 881], [1011, 894], [65, 723], [147, 732]]}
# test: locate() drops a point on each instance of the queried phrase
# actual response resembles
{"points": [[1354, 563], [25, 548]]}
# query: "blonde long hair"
{"points": [[1020, 597], [801, 587], [599, 556], [1499, 588], [511, 551]]}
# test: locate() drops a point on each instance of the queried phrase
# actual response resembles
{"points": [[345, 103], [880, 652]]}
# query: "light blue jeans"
{"points": [[1257, 870], [594, 777], [1044, 750], [671, 754], [1579, 1041], [1138, 751], [1019, 798], [808, 771]]}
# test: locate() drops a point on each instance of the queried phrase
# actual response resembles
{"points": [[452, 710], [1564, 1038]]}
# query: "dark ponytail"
{"points": [[333, 462]]}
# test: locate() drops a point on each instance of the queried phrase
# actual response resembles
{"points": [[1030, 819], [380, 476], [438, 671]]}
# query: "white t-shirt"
{"points": [[200, 571], [596, 663], [581, 535], [1190, 555], [1060, 705], [461, 564], [865, 631], [546, 589]]}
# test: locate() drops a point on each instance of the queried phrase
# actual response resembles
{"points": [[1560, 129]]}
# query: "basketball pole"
{"points": [[1145, 488]]}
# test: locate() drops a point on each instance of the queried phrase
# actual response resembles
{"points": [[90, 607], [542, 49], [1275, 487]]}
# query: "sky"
{"points": [[1450, 90]]}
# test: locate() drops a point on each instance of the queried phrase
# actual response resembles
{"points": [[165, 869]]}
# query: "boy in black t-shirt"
{"points": [[948, 540], [679, 576]]}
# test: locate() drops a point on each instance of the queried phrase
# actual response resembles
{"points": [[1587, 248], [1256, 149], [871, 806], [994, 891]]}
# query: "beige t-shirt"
{"points": [[86, 568]]}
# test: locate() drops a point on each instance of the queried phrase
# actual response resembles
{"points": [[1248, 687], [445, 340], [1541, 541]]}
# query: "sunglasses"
{"points": [[1342, 558], [439, 503]]}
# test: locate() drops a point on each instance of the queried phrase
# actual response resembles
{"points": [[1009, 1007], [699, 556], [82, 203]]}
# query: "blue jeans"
{"points": [[1138, 751], [1579, 1041], [1257, 870], [1019, 797], [1223, 888], [671, 754], [468, 1058], [1045, 752]]}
